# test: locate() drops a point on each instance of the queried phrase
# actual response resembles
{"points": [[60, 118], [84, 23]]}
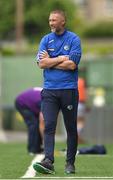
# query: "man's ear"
{"points": [[63, 22]]}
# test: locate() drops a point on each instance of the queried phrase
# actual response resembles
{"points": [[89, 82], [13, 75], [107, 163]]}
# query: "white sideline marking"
{"points": [[30, 173], [75, 177]]}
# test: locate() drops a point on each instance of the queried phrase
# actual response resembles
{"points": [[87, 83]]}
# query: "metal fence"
{"points": [[99, 125]]}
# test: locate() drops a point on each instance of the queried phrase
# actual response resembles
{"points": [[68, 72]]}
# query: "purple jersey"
{"points": [[31, 99]]}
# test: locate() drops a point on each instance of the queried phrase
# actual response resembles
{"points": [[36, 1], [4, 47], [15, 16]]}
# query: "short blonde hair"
{"points": [[58, 11]]}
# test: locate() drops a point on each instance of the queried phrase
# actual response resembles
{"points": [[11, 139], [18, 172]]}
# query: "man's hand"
{"points": [[63, 58], [65, 64], [43, 54]]}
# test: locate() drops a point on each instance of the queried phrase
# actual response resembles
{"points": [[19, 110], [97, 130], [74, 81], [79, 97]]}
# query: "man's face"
{"points": [[56, 23]]}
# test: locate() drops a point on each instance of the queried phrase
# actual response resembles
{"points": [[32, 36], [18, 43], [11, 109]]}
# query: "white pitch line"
{"points": [[75, 177], [30, 173]]}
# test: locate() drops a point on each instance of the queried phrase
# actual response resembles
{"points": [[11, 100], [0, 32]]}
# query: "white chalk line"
{"points": [[31, 173], [74, 177]]}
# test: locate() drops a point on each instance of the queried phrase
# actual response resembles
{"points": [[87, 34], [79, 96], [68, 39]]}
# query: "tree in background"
{"points": [[35, 17], [7, 20]]}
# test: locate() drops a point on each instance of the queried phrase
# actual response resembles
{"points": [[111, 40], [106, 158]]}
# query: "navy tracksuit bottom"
{"points": [[52, 102], [32, 121]]}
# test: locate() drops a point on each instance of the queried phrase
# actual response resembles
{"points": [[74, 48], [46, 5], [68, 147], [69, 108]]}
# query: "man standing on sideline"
{"points": [[28, 104], [59, 55]]}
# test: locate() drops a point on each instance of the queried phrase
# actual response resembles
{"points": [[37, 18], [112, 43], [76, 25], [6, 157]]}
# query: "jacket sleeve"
{"points": [[75, 52]]}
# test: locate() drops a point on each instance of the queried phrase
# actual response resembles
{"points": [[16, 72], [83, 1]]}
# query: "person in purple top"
{"points": [[28, 103]]}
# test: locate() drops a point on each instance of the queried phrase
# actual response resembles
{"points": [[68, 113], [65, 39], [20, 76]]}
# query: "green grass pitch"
{"points": [[14, 162]]}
